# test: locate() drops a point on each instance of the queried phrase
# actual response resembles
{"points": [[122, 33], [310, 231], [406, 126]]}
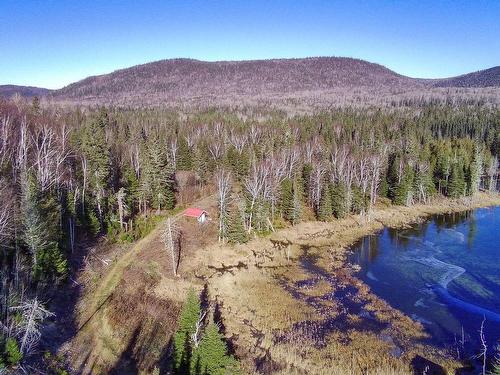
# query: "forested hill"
{"points": [[186, 78], [483, 78], [8, 91], [311, 82]]}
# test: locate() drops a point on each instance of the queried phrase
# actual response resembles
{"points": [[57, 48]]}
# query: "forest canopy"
{"points": [[69, 174]]}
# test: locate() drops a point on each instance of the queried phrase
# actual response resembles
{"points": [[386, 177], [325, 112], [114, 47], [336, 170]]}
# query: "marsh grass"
{"points": [[271, 311]]}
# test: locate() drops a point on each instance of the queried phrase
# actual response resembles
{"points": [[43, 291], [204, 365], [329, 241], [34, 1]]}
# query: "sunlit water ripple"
{"points": [[444, 273]]}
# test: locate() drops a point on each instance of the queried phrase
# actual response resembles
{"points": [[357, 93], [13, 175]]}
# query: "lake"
{"points": [[444, 272]]}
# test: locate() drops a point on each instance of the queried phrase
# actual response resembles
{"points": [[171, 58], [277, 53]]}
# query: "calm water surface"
{"points": [[444, 273]]}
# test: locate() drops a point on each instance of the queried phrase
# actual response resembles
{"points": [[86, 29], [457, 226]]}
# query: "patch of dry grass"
{"points": [[250, 283]]}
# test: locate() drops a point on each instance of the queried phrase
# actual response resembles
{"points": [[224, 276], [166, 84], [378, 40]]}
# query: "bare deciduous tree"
{"points": [[484, 346], [6, 213], [173, 152], [316, 184], [170, 237], [223, 179], [196, 336], [122, 207], [492, 173], [254, 185], [28, 329]]}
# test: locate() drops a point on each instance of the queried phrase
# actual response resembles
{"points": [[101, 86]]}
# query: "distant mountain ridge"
{"points": [[8, 91], [186, 80], [314, 82], [482, 78]]}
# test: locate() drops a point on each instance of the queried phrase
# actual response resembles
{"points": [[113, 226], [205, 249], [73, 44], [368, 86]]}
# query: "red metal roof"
{"points": [[194, 212]]}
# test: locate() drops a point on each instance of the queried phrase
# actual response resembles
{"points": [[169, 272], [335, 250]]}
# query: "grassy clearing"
{"points": [[252, 284], [256, 304]]}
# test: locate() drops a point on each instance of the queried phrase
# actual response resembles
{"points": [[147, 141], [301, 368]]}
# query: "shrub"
{"points": [[12, 352]]}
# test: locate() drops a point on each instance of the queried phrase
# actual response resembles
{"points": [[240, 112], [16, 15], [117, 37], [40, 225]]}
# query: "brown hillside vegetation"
{"points": [[8, 91], [130, 307], [482, 78], [301, 84]]}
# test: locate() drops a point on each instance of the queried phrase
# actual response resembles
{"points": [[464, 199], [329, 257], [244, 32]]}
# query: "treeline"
{"points": [[69, 175], [334, 164]]}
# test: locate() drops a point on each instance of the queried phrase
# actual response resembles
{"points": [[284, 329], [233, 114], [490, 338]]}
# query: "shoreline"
{"points": [[345, 232], [268, 327], [263, 299]]}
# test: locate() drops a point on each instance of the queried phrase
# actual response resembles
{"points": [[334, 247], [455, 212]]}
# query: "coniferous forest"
{"points": [[73, 176]]}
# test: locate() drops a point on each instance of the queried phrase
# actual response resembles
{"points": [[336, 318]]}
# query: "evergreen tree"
{"points": [[339, 200], [12, 353], [158, 182], [456, 185], [475, 172], [360, 201], [184, 156], [187, 325], [239, 163], [325, 211], [441, 161], [96, 150], [424, 185], [201, 165], [211, 355], [40, 223], [287, 200], [306, 178], [383, 189], [131, 182], [296, 213], [403, 193], [236, 231], [393, 174], [262, 213]]}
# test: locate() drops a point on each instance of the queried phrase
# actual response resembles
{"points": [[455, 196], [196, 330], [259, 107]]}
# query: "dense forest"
{"points": [[74, 175]]}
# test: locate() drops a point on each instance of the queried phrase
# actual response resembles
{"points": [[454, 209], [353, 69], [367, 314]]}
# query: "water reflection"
{"points": [[444, 272], [471, 233]]}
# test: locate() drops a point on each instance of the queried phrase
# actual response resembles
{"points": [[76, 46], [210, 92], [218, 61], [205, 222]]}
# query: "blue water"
{"points": [[444, 272]]}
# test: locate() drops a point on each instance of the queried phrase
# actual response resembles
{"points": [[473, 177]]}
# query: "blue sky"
{"points": [[51, 43]]}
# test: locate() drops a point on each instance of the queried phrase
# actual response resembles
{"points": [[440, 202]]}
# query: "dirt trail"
{"points": [[97, 341], [115, 272], [251, 297], [114, 275]]}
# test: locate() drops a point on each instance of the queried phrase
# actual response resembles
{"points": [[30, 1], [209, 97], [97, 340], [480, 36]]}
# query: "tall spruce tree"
{"points": [[393, 174], [404, 191], [475, 171], [424, 185], [287, 199], [190, 315], [339, 200], [97, 153], [184, 156], [40, 217], [211, 356], [306, 178], [360, 201], [456, 184], [236, 231], [239, 163], [325, 211], [296, 212], [158, 182]]}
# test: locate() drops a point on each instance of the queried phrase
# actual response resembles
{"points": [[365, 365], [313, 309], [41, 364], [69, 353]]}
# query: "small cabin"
{"points": [[197, 213]]}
